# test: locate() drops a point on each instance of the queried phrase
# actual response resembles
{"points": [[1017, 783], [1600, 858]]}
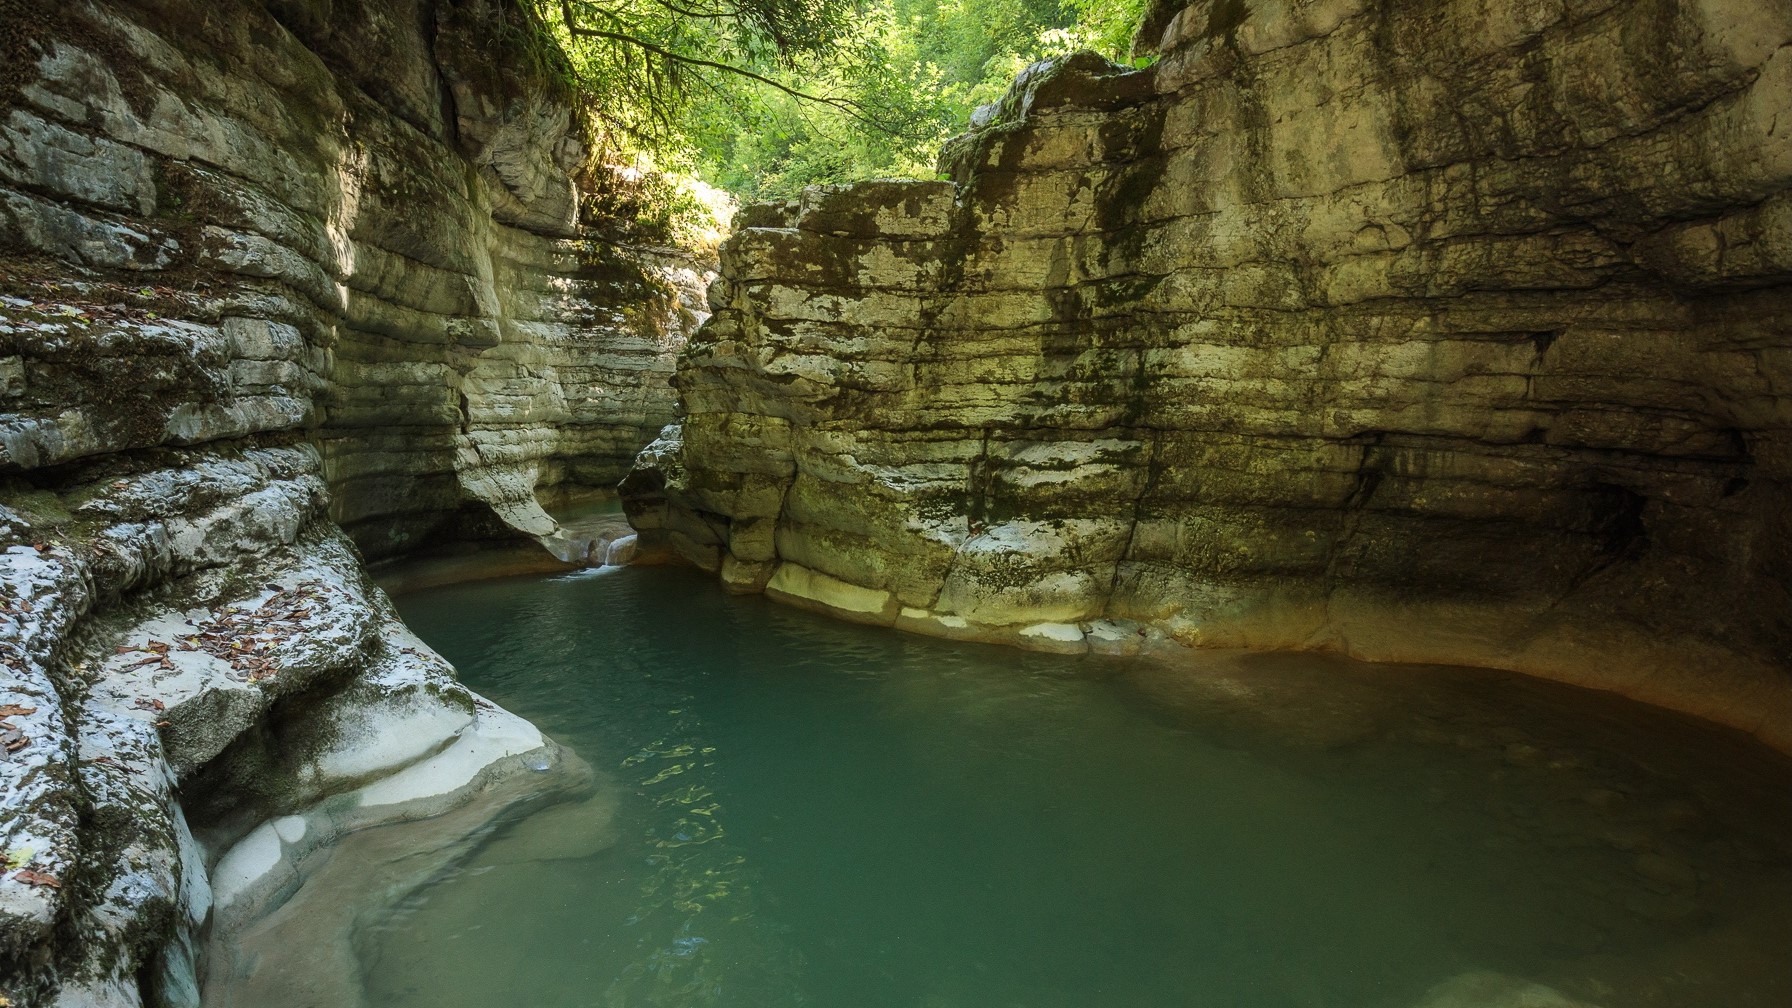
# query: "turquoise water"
{"points": [[795, 811]]}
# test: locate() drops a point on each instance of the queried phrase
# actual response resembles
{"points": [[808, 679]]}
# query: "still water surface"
{"points": [[795, 811]]}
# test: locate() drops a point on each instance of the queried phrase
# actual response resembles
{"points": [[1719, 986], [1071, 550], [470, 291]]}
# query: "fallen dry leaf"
{"points": [[36, 878], [15, 710]]}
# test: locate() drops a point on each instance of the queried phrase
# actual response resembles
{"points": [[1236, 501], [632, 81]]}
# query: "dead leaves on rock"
{"points": [[154, 706], [12, 737], [158, 655], [246, 637], [104, 301], [37, 878], [242, 638]]}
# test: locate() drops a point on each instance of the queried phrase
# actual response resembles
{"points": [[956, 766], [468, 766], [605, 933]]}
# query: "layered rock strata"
{"points": [[1453, 332], [361, 218], [194, 645], [270, 272]]}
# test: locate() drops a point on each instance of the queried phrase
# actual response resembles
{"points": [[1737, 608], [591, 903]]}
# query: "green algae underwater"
{"points": [[795, 811]]}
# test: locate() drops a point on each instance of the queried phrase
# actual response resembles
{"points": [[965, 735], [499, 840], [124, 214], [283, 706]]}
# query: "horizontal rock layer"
{"points": [[1456, 333]]}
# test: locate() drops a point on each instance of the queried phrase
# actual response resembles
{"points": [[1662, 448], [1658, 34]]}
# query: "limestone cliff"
{"points": [[269, 272], [358, 220], [1451, 332]]}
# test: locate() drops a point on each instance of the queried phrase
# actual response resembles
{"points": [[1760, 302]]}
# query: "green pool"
{"points": [[795, 811]]}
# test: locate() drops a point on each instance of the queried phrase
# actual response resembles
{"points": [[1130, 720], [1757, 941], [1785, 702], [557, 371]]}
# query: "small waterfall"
{"points": [[619, 551], [597, 538]]}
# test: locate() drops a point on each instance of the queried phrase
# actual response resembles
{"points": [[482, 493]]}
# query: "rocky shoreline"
{"points": [[180, 750]]}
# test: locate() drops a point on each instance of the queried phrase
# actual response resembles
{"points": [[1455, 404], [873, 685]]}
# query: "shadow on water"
{"points": [[806, 812]]}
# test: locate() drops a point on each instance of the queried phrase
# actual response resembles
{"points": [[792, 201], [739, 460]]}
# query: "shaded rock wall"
{"points": [[352, 219], [269, 272], [1453, 332]]}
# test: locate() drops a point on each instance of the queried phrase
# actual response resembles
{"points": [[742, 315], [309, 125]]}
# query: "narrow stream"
{"points": [[803, 812]]}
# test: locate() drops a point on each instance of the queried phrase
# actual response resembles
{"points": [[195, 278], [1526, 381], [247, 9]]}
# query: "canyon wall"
{"points": [[1456, 332], [283, 286], [356, 220]]}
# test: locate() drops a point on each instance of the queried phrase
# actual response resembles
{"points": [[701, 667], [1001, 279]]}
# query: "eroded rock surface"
{"points": [[355, 219], [197, 629], [283, 286], [1451, 332]]}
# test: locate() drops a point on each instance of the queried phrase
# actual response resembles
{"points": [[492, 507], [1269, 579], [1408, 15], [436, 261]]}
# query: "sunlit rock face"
{"points": [[270, 272], [1454, 332]]}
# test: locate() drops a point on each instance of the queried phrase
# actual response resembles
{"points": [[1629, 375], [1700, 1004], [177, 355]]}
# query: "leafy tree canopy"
{"points": [[763, 97]]}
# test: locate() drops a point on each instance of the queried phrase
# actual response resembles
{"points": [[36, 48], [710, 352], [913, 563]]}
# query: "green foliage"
{"points": [[1108, 26], [636, 63], [917, 68], [641, 204], [763, 97]]}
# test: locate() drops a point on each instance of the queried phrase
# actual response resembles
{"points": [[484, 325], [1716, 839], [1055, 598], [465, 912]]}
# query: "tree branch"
{"points": [[849, 107]]}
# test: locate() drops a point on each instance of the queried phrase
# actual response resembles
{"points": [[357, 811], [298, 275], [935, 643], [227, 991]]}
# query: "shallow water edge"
{"points": [[1659, 826]]}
